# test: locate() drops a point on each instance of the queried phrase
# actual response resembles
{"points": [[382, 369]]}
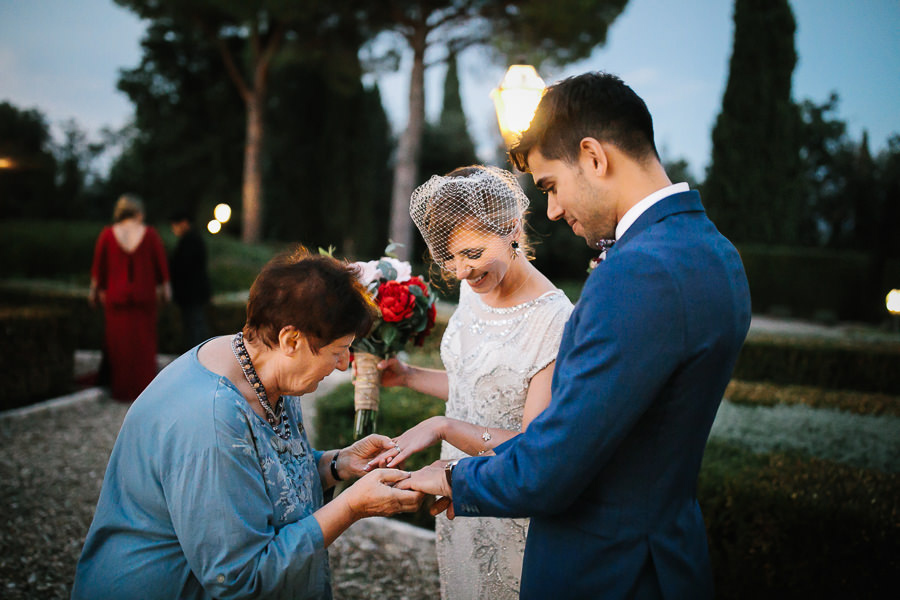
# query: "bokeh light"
{"points": [[892, 302], [214, 226], [222, 213]]}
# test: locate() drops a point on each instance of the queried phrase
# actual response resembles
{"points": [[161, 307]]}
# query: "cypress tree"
{"points": [[447, 144], [753, 188]]}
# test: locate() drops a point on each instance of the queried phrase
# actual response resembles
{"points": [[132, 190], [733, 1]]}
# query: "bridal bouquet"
{"points": [[406, 313]]}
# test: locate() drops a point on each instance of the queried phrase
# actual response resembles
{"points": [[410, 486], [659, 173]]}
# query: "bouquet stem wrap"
{"points": [[366, 393]]}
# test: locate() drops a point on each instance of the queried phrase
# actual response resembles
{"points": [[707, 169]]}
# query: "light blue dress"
{"points": [[198, 503]]}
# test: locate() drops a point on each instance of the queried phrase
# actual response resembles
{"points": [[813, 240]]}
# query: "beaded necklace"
{"points": [[278, 417]]}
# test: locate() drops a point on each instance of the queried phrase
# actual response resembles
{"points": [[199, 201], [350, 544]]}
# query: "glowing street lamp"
{"points": [[214, 226], [222, 213], [516, 99], [892, 302]]}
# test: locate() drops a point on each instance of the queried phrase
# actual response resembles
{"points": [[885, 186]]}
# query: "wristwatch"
{"points": [[448, 471]]}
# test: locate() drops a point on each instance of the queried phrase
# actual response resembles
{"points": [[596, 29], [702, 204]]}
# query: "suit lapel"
{"points": [[670, 205]]}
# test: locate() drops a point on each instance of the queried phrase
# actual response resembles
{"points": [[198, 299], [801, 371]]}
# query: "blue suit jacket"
{"points": [[608, 472]]}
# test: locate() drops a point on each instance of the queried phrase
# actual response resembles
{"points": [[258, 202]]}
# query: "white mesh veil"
{"points": [[469, 205]]}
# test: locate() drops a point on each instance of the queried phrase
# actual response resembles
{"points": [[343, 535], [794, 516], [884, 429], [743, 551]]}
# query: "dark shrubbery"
{"points": [[832, 364], [38, 361], [63, 251], [791, 526], [85, 325], [818, 284]]}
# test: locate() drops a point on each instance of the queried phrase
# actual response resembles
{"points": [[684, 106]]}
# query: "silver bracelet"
{"points": [[486, 436]]}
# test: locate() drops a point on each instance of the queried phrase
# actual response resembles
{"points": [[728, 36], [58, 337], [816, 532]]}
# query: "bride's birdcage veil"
{"points": [[474, 200]]}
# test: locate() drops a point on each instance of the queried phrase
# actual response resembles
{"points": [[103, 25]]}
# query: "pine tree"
{"points": [[753, 188]]}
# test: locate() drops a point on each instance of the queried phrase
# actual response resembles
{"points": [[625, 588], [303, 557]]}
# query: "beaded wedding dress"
{"points": [[490, 355]]}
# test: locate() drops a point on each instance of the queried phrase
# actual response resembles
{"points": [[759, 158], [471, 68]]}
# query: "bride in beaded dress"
{"points": [[498, 350]]}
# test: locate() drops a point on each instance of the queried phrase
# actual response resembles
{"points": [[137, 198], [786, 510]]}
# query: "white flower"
{"points": [[368, 271], [403, 268]]}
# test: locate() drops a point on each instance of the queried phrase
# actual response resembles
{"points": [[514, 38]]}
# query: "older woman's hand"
{"points": [[353, 460], [375, 495]]}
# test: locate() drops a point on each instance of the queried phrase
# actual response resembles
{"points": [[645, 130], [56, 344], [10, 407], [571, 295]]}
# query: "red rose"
{"points": [[395, 301]]}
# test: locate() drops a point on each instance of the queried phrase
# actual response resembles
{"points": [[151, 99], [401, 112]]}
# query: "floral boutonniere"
{"points": [[603, 246]]}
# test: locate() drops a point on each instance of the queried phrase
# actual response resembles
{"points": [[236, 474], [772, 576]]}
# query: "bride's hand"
{"points": [[425, 434], [393, 372]]}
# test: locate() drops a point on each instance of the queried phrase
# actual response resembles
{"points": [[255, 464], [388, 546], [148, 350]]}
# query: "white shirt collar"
{"points": [[638, 209]]}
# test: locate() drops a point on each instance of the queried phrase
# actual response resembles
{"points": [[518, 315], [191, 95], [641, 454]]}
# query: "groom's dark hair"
{"points": [[597, 105]]}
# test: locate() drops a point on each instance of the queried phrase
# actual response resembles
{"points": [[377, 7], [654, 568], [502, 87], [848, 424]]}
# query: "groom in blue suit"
{"points": [[608, 472]]}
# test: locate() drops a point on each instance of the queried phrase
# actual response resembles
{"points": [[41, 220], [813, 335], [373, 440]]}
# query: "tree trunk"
{"points": [[406, 167], [252, 188]]}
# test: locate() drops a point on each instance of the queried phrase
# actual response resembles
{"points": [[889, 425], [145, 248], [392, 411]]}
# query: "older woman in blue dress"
{"points": [[212, 488]]}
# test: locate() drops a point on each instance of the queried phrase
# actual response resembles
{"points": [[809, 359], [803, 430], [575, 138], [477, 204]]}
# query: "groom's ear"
{"points": [[592, 157]]}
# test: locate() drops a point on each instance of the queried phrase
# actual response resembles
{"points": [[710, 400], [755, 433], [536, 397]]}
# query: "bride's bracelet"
{"points": [[486, 436]]}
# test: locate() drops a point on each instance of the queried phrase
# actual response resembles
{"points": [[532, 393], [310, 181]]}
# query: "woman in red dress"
{"points": [[128, 274]]}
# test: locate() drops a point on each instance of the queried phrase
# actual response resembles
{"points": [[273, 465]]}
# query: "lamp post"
{"points": [[892, 303], [516, 99]]}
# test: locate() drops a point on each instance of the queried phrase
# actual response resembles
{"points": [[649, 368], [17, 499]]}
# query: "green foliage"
{"points": [[327, 178], [27, 181], [818, 283], [44, 355], [186, 150], [63, 251], [84, 325], [753, 189], [769, 394], [796, 526], [447, 144], [558, 32], [832, 364], [46, 249]]}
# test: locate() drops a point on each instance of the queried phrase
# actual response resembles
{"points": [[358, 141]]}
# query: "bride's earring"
{"points": [[515, 248]]}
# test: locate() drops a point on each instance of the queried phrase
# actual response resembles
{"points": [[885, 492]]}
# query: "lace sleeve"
{"points": [[552, 320]]}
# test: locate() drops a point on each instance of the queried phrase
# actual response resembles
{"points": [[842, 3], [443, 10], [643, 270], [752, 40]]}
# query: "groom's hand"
{"points": [[429, 480], [440, 505]]}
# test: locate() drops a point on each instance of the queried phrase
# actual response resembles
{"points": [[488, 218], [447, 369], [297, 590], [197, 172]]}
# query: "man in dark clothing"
{"points": [[190, 281]]}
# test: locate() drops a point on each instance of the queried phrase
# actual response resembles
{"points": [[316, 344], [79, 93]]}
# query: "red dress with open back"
{"points": [[129, 280]]}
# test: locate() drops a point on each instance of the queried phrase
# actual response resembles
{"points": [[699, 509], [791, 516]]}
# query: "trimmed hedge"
{"points": [[834, 364], [64, 250], [85, 325], [791, 526], [770, 394], [39, 357], [815, 283]]}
